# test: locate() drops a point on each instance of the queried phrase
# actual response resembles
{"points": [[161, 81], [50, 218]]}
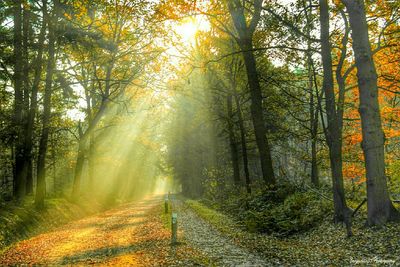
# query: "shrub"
{"points": [[298, 212]]}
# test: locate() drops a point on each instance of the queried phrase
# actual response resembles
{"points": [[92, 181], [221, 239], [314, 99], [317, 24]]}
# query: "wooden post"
{"points": [[174, 228]]}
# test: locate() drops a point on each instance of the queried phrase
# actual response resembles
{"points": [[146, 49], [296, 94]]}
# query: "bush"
{"points": [[298, 212], [283, 210]]}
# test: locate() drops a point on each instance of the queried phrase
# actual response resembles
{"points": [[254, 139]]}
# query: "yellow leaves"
{"points": [[156, 68], [68, 16]]}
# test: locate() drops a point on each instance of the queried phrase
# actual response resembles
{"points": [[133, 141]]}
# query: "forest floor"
{"points": [[138, 234]]}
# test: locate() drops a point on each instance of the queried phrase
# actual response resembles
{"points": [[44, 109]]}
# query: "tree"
{"points": [[19, 171], [380, 207], [333, 133], [43, 143], [244, 39]]}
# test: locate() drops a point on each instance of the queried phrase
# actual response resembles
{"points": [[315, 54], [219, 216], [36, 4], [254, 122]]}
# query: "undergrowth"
{"points": [[283, 211]]}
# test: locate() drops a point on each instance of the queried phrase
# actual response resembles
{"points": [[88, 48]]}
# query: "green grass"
{"points": [[222, 222]]}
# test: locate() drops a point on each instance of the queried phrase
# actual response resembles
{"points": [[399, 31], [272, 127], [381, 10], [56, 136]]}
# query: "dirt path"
{"points": [[130, 235]]}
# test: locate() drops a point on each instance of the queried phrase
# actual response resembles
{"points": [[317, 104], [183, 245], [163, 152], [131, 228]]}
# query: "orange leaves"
{"points": [[131, 235], [354, 171]]}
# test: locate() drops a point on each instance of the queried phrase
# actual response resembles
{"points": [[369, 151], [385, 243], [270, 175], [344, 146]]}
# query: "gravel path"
{"points": [[218, 248]]}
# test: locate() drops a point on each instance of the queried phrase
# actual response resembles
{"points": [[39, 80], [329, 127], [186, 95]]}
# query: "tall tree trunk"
{"points": [[80, 160], [41, 163], [91, 162], [314, 107], [19, 173], [244, 39], [313, 124], [84, 137], [232, 141], [27, 166], [258, 117], [243, 143], [333, 137], [33, 100], [380, 207]]}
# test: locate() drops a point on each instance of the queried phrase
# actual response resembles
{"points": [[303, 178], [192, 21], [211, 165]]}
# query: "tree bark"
{"points": [[41, 163], [380, 207], [84, 137], [313, 123], [333, 137], [232, 141], [33, 100], [243, 143], [19, 172], [244, 39], [27, 166], [80, 160]]}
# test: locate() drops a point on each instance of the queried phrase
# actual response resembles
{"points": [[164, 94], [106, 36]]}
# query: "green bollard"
{"points": [[174, 228]]}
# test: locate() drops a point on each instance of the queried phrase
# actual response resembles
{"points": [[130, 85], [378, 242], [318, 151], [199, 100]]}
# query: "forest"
{"points": [[267, 131]]}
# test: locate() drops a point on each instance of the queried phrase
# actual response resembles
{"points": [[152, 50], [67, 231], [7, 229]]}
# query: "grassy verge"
{"points": [[21, 220], [222, 222], [325, 244]]}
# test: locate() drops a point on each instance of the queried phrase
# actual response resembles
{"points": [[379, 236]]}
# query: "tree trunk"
{"points": [[41, 163], [243, 143], [313, 124], [380, 207], [232, 142], [91, 163], [27, 164], [33, 101], [333, 137], [80, 160], [314, 162], [258, 117], [19, 172], [244, 39], [313, 104], [93, 121]]}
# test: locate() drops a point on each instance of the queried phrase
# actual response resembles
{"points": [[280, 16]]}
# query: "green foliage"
{"points": [[283, 210], [298, 212], [394, 182], [223, 222]]}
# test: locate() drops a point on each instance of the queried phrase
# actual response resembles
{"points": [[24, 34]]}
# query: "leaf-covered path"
{"points": [[220, 250], [132, 234]]}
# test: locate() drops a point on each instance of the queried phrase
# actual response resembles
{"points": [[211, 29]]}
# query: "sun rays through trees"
{"points": [[281, 114]]}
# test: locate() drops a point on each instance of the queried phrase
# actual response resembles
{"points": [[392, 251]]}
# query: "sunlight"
{"points": [[187, 30]]}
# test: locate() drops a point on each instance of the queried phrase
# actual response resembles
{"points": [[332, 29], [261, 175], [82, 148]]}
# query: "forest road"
{"points": [[129, 235], [133, 234]]}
